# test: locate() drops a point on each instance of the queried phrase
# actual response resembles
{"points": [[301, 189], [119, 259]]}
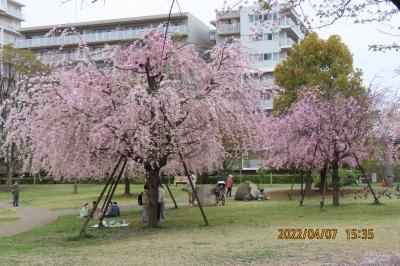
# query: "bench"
{"points": [[180, 179]]}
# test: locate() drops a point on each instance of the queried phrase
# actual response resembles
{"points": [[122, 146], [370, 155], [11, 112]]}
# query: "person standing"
{"points": [[229, 185], [15, 193], [191, 195], [161, 204]]}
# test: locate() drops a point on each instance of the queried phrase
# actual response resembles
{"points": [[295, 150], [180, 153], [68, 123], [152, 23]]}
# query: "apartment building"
{"points": [[96, 34], [10, 21], [268, 35]]}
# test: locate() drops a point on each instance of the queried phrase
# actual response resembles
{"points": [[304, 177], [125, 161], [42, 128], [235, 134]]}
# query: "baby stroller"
{"points": [[220, 192], [258, 195]]}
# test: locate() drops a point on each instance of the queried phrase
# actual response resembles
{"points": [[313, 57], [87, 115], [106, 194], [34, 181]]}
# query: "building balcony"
{"points": [[229, 14], [292, 29], [93, 37], [286, 43], [16, 13], [228, 28]]}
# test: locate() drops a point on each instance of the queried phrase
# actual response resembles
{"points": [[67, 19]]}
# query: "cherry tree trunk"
{"points": [[154, 182], [335, 182], [10, 166], [308, 188], [322, 174], [127, 185], [75, 186]]}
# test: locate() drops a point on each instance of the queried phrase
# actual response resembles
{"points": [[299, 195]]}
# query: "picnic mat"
{"points": [[113, 225]]}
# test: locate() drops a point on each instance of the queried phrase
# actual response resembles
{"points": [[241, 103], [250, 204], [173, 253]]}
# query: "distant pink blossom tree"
{"points": [[319, 132], [162, 105]]}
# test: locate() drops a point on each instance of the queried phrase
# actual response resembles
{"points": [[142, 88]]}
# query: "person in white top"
{"points": [[191, 196], [161, 204]]}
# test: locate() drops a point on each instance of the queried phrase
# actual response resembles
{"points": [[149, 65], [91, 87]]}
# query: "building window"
{"points": [[176, 23], [256, 57], [251, 18], [267, 57], [256, 37], [268, 36], [103, 30], [275, 56], [258, 17], [270, 16]]}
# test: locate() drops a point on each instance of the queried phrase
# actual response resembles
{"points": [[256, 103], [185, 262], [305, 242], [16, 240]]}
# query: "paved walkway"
{"points": [[29, 218]]}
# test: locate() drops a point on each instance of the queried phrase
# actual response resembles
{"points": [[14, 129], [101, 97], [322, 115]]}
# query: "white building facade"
{"points": [[268, 35], [10, 21]]}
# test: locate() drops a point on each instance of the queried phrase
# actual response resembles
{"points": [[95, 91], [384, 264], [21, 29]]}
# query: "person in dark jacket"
{"points": [[114, 211], [15, 193]]}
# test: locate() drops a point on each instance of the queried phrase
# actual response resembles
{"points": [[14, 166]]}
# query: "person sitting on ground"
{"points": [[94, 207], [84, 212], [114, 211]]}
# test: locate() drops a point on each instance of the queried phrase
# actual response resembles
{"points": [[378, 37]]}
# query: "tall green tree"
{"points": [[316, 62]]}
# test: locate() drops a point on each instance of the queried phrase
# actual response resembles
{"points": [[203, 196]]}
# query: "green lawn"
{"points": [[6, 211], [61, 197], [7, 220], [239, 233]]}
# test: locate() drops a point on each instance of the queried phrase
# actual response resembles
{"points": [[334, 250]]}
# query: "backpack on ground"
{"points": [[139, 199]]}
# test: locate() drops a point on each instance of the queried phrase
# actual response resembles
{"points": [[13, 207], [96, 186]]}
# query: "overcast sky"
{"points": [[357, 37]]}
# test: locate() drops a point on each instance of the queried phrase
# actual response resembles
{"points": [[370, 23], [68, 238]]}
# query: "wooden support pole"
{"points": [[82, 232], [105, 203], [193, 188], [365, 176], [107, 200], [172, 197], [369, 184]]}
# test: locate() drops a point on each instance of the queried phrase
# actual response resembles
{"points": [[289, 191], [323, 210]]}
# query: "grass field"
{"points": [[239, 233], [61, 197], [7, 220], [6, 211]]}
